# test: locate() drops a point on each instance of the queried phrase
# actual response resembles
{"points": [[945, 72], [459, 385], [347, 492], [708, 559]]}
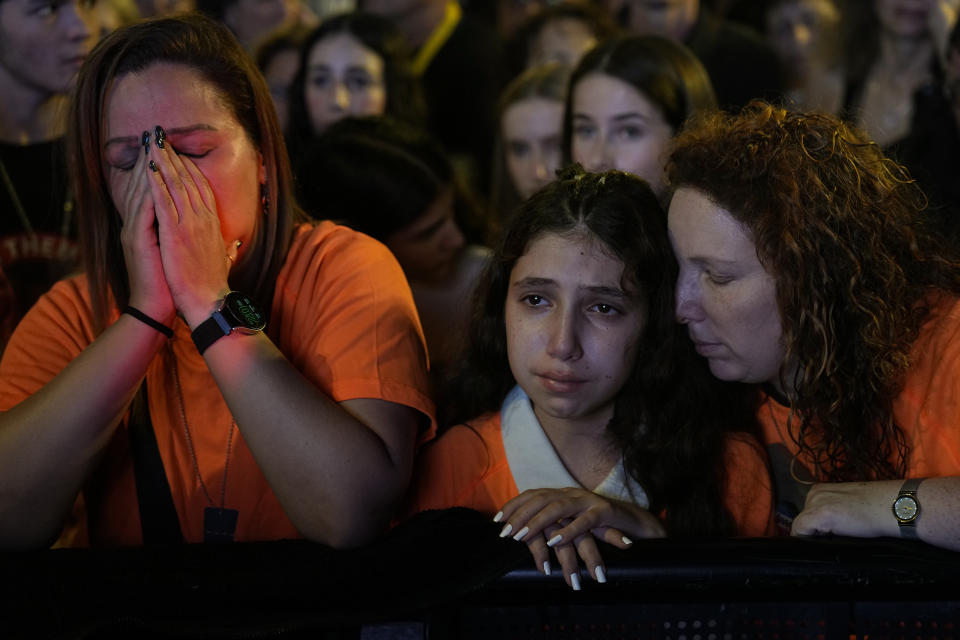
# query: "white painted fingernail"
{"points": [[601, 576], [546, 567], [575, 581], [506, 530], [521, 533], [498, 517], [554, 540], [626, 540]]}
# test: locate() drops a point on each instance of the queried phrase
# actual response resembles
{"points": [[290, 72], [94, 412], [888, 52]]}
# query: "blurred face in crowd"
{"points": [[904, 18], [796, 29], [725, 296], [395, 9], [564, 41], [279, 74], [532, 132], [44, 42], [668, 18], [617, 127], [344, 78], [251, 20], [427, 248], [512, 13]]}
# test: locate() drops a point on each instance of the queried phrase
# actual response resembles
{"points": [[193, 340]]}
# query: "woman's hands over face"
{"points": [[195, 261], [570, 521], [141, 250]]}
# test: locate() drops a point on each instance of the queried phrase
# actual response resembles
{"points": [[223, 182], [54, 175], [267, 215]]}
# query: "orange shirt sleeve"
{"points": [[466, 467], [49, 336], [344, 316], [749, 487]]}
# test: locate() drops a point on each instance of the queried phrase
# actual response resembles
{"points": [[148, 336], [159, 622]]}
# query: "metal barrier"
{"points": [[448, 575]]}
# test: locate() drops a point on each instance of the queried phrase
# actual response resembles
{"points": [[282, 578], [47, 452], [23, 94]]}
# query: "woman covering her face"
{"points": [[573, 417], [805, 269], [286, 399]]}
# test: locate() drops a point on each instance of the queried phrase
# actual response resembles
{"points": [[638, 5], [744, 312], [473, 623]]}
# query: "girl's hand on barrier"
{"points": [[570, 520]]}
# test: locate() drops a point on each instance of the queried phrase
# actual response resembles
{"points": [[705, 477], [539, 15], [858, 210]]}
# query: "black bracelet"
{"points": [[147, 320]]}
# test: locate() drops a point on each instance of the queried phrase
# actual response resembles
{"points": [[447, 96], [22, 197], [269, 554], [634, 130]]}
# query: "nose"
{"points": [[564, 341], [452, 238], [603, 157], [589, 154], [688, 307], [540, 169], [802, 35], [79, 21], [341, 97]]}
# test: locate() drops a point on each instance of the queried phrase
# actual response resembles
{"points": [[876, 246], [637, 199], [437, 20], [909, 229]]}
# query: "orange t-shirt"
{"points": [[470, 466], [342, 314], [927, 411]]}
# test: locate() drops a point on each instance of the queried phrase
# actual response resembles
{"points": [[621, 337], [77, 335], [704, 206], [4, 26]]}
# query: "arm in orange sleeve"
{"points": [[460, 469]]}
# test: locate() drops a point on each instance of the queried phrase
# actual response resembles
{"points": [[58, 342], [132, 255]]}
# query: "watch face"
{"points": [[905, 508], [242, 309]]}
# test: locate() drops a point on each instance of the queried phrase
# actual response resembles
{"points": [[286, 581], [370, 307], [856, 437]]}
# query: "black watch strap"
{"points": [[208, 332]]}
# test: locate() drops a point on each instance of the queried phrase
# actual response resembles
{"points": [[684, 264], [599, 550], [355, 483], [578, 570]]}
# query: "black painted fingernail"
{"points": [[160, 135], [146, 143], [153, 166]]}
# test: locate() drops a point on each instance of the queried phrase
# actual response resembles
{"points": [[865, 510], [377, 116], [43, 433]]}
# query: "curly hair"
{"points": [[673, 447], [841, 229]]}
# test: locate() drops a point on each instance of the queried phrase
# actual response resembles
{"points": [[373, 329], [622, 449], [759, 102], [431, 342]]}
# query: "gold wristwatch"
{"points": [[906, 508]]}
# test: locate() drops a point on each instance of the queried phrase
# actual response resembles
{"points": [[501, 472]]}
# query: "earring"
{"points": [[265, 199]]}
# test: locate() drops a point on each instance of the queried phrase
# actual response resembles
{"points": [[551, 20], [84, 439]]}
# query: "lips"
{"points": [[74, 61], [707, 349], [561, 382]]}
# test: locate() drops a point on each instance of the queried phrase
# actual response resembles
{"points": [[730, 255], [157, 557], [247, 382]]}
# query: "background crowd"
{"points": [[480, 78], [439, 128]]}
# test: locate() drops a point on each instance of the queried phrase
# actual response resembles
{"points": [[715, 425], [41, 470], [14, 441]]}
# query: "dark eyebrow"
{"points": [[428, 231], [615, 292], [707, 260], [174, 132], [622, 116], [534, 282], [630, 116]]}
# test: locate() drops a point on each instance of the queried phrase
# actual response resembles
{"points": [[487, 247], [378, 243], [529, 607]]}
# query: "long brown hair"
{"points": [[209, 48]]}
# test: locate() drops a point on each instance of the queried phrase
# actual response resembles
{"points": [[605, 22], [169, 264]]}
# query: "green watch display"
{"points": [[235, 312]]}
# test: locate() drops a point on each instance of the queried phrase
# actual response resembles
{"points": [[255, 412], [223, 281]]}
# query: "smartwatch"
{"points": [[906, 507], [235, 312]]}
